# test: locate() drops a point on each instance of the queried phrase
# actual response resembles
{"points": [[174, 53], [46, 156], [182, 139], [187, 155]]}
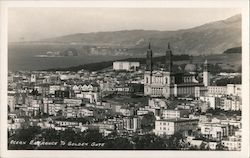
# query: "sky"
{"points": [[28, 24]]}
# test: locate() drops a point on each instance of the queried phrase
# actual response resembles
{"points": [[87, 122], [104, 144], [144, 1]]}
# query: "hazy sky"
{"points": [[39, 23]]}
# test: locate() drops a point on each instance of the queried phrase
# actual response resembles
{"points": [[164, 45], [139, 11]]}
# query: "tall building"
{"points": [[157, 82], [164, 82], [168, 59], [149, 60], [206, 77]]}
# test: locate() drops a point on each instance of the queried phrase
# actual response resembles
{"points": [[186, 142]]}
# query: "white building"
{"points": [[163, 82], [157, 103], [54, 88], [167, 114], [200, 91], [11, 102], [132, 123], [231, 103], [217, 90], [126, 112], [85, 112], [157, 84], [53, 109], [125, 65], [234, 89], [215, 131], [206, 77], [33, 78], [171, 126], [213, 102], [233, 143], [212, 145], [73, 102], [230, 89], [92, 96], [142, 111], [16, 124], [69, 76]]}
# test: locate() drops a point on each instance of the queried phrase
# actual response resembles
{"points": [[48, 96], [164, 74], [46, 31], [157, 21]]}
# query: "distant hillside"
{"points": [[210, 38], [233, 50], [226, 62], [105, 64]]}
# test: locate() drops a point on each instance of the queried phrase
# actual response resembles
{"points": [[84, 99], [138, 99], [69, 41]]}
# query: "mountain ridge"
{"points": [[210, 38]]}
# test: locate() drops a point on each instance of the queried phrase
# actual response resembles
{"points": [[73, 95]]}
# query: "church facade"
{"points": [[163, 82]]}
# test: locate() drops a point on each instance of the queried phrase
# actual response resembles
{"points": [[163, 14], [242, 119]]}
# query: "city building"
{"points": [[234, 89], [171, 126], [11, 103], [132, 123], [217, 90], [213, 102], [167, 114], [125, 65], [214, 131], [233, 143], [163, 82]]}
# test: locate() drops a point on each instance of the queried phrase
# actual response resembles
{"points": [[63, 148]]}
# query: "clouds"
{"points": [[39, 23]]}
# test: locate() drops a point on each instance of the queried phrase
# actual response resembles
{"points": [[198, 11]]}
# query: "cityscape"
{"points": [[126, 106], [125, 80]]}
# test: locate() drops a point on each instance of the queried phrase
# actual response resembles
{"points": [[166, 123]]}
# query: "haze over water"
{"points": [[22, 57]]}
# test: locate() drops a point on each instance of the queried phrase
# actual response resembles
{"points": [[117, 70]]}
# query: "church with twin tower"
{"points": [[163, 82]]}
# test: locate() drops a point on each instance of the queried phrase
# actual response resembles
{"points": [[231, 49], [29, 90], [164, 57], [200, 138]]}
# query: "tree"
{"points": [[176, 141], [225, 81], [219, 146], [92, 135], [118, 143], [149, 141], [204, 146], [148, 121], [24, 135]]}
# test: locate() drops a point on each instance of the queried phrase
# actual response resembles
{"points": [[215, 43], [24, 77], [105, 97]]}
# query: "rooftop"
{"points": [[178, 120]]}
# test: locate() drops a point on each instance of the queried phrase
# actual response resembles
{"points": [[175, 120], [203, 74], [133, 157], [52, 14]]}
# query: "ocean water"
{"points": [[22, 57]]}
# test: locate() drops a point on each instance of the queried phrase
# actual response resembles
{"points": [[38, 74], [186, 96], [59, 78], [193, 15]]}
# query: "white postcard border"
{"points": [[243, 4]]}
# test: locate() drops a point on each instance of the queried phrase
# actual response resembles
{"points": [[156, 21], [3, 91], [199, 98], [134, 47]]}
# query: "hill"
{"points": [[233, 50], [207, 39]]}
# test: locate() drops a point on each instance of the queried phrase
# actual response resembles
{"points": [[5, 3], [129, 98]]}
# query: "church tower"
{"points": [[149, 60], [168, 59], [157, 82], [167, 73], [206, 77], [149, 71]]}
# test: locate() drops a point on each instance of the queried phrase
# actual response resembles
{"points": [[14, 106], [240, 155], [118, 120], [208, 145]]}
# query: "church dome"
{"points": [[190, 68]]}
